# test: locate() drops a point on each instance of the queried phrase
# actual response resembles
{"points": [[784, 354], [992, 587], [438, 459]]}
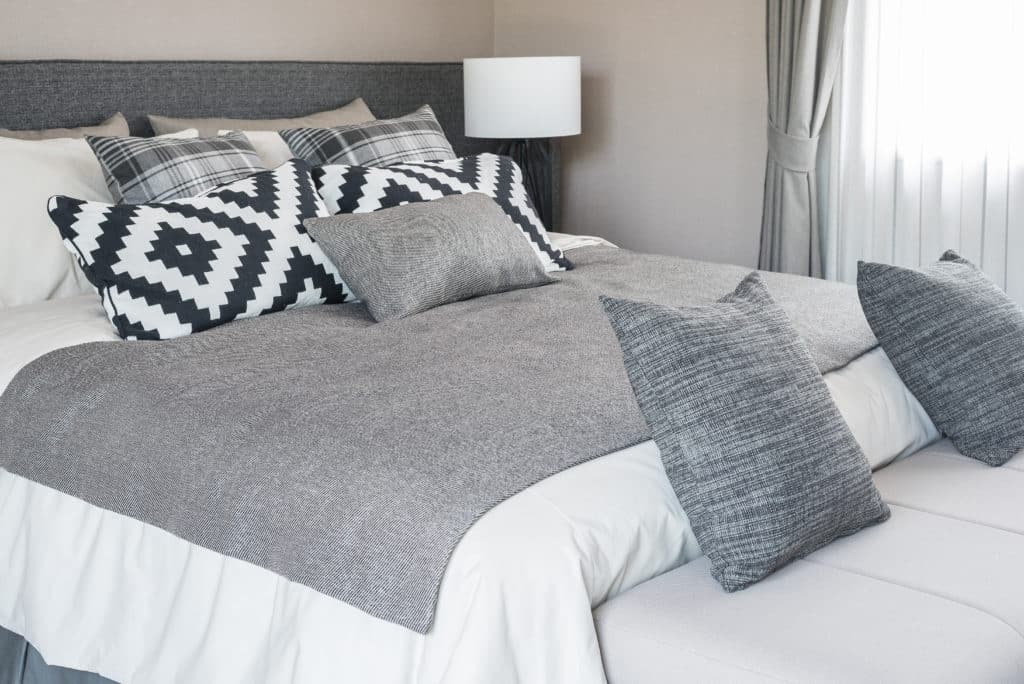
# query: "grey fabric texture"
{"points": [[361, 189], [414, 137], [760, 457], [115, 125], [90, 90], [349, 456], [354, 112], [21, 663], [957, 341], [804, 40], [141, 170], [413, 258]]}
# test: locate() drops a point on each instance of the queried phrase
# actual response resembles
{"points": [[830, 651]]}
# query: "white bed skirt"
{"points": [[96, 591]]}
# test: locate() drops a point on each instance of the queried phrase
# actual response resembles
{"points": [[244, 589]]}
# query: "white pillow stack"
{"points": [[34, 264]]}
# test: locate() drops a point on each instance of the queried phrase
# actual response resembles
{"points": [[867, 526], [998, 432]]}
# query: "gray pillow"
{"points": [[415, 257], [757, 452], [354, 112], [115, 125], [957, 341], [143, 170]]}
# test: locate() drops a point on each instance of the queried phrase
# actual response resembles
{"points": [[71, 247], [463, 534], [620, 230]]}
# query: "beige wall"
{"points": [[415, 30], [672, 155]]}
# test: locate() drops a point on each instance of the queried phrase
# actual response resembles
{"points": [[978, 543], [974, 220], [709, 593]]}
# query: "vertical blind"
{"points": [[923, 149]]}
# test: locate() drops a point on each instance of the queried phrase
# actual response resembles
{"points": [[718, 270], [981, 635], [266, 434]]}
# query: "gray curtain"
{"points": [[804, 42]]}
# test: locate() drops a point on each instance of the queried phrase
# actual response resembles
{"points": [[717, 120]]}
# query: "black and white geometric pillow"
{"points": [[362, 189], [170, 269], [413, 137], [139, 170]]}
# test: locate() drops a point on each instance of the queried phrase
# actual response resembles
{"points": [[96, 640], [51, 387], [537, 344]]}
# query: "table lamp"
{"points": [[525, 102]]}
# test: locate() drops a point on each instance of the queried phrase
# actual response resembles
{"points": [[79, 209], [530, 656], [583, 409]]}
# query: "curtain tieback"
{"points": [[791, 152]]}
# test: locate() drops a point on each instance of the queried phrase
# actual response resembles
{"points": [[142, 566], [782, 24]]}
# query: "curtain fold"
{"points": [[925, 138], [804, 41]]}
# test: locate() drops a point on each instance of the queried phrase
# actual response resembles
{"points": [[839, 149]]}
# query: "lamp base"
{"points": [[538, 158]]}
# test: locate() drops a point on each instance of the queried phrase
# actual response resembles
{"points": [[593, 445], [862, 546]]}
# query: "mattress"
{"points": [[933, 595], [100, 592]]}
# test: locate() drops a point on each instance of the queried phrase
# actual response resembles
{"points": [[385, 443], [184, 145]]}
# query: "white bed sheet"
{"points": [[30, 331], [96, 591]]}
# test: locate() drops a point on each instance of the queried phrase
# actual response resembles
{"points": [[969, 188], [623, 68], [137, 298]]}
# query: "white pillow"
{"points": [[269, 145], [34, 265], [886, 419]]}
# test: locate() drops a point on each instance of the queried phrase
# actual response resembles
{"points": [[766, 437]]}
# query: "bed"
{"points": [[97, 591]]}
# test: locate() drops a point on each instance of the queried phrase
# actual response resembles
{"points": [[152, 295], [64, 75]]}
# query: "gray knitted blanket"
{"points": [[351, 456]]}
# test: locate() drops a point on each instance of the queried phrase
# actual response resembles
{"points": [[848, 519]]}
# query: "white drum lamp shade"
{"points": [[522, 97]]}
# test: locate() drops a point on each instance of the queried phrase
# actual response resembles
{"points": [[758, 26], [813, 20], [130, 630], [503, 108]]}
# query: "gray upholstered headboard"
{"points": [[50, 94], [66, 94]]}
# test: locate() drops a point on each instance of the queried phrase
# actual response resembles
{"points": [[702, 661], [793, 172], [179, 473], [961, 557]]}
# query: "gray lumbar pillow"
{"points": [[760, 457], [957, 341], [415, 257]]}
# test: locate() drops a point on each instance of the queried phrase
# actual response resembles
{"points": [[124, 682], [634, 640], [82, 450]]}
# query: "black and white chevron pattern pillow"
{"points": [[170, 269], [362, 189]]}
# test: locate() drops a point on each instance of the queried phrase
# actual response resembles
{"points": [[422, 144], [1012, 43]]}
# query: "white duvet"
{"points": [[97, 591]]}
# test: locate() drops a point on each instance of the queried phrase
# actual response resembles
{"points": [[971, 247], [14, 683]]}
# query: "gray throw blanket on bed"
{"points": [[351, 456]]}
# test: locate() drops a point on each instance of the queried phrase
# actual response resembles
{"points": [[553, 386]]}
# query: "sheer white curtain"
{"points": [[923, 149]]}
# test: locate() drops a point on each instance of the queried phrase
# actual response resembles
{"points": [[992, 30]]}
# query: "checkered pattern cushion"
{"points": [[414, 137], [140, 170], [755, 448]]}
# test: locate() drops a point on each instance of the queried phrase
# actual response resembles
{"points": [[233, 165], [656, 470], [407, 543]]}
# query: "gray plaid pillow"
{"points": [[763, 463], [414, 137], [141, 170], [957, 341]]}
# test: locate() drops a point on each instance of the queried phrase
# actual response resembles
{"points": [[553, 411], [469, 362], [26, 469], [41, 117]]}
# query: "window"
{"points": [[924, 146]]}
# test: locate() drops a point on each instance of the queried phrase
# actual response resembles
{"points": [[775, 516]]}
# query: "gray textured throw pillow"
{"points": [[761, 459], [957, 341], [143, 170], [415, 257]]}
